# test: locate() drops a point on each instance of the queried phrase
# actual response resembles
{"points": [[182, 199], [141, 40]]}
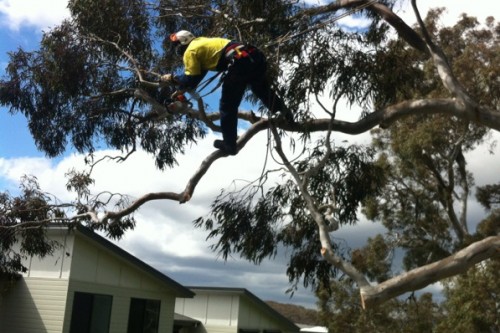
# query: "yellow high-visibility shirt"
{"points": [[203, 54]]}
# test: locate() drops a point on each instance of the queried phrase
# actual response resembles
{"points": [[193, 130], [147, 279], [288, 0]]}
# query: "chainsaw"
{"points": [[179, 104]]}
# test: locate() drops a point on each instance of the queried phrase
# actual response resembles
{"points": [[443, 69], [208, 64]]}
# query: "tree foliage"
{"points": [[296, 313], [256, 226], [95, 80], [472, 300], [469, 304], [31, 205], [339, 306]]}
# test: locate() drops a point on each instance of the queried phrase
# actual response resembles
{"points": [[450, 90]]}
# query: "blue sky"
{"points": [[164, 236], [15, 139]]}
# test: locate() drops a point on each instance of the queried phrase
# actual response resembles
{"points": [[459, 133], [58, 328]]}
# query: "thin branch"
{"points": [[116, 158], [135, 65], [442, 65], [324, 237], [202, 115], [314, 170]]}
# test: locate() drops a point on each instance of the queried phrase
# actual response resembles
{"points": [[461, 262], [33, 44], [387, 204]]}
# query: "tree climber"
{"points": [[245, 65]]}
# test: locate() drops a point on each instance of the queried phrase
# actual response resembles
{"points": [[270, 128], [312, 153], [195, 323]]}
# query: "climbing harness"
{"points": [[236, 51], [232, 52]]}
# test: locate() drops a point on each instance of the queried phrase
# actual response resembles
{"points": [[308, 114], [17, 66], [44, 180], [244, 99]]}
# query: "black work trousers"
{"points": [[245, 72]]}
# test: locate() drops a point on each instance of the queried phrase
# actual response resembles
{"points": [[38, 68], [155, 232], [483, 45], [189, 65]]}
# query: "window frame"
{"points": [[87, 315], [137, 320]]}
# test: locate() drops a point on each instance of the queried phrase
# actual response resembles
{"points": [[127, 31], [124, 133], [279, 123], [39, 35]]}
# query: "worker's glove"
{"points": [[167, 78]]}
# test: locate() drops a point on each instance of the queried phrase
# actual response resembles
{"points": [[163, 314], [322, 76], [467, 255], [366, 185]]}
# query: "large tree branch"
{"points": [[185, 195], [386, 116], [207, 162], [404, 31], [423, 276], [383, 116]]}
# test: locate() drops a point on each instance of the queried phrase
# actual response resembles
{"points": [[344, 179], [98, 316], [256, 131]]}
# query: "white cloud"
{"points": [[479, 8], [37, 13], [483, 161], [314, 2], [164, 235], [14, 169], [164, 223]]}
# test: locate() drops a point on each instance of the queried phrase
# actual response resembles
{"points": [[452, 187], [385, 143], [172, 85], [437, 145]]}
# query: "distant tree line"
{"points": [[296, 313]]}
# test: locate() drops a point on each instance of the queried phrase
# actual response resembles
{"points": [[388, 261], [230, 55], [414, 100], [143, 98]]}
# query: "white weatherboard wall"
{"points": [[217, 313], [228, 310], [42, 301], [38, 300], [97, 270], [253, 317]]}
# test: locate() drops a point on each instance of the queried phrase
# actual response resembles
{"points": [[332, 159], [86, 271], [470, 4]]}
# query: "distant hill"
{"points": [[295, 313]]}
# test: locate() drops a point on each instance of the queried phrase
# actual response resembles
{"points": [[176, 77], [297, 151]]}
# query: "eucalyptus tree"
{"points": [[339, 305], [95, 79], [472, 303]]}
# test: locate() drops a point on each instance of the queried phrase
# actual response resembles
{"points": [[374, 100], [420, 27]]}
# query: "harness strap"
{"points": [[238, 51], [231, 52], [208, 81]]}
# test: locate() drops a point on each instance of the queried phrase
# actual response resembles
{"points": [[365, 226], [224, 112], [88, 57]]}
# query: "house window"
{"points": [[91, 313], [143, 316]]}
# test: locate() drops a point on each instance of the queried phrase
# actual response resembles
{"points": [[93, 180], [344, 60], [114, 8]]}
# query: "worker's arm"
{"points": [[193, 71], [188, 82], [184, 82]]}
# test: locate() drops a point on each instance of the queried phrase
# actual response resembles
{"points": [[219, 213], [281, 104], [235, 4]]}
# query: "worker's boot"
{"points": [[280, 111], [225, 147], [288, 117]]}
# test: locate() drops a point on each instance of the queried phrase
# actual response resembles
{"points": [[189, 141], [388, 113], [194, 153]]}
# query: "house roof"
{"points": [[185, 321], [251, 297], [178, 289]]}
